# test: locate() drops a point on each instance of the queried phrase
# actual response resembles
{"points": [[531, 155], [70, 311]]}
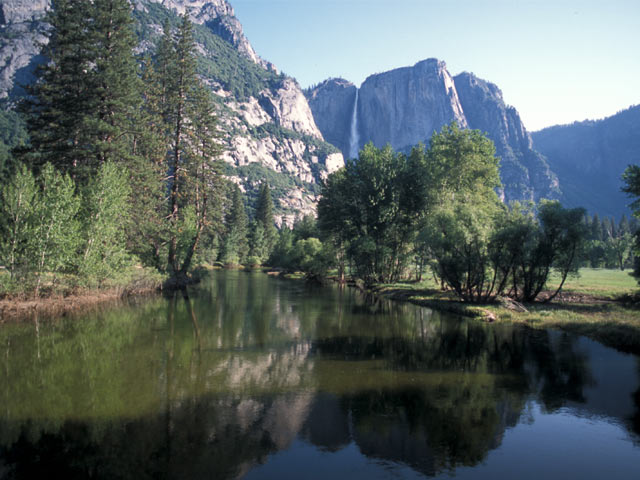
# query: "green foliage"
{"points": [[56, 236], [235, 246], [82, 111], [312, 257], [294, 251], [372, 207], [533, 247], [282, 255], [187, 148], [458, 239], [106, 214], [19, 202], [13, 133], [263, 234], [631, 178]]}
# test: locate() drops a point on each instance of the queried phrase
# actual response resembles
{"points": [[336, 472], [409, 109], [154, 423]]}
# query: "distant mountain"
{"points": [[270, 133], [589, 158], [405, 106]]}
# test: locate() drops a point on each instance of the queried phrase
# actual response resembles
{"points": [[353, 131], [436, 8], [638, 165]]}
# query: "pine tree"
{"points": [[82, 111], [596, 229], [235, 247], [623, 226], [180, 79], [118, 85], [60, 102], [190, 135], [147, 229], [264, 218]]}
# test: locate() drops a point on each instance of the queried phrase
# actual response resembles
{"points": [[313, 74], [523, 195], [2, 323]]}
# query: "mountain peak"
{"points": [[219, 17]]}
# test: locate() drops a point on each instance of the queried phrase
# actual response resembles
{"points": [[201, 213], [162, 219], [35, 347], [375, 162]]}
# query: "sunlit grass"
{"points": [[598, 282]]}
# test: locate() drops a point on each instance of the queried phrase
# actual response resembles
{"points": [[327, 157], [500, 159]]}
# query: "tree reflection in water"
{"points": [[213, 383]]}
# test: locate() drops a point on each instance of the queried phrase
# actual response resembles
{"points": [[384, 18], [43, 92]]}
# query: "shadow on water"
{"points": [[214, 381]]}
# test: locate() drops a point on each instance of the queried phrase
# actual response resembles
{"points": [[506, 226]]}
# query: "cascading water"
{"points": [[354, 142]]}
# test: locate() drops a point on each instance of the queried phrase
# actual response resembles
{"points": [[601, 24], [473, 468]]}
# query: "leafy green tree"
{"points": [[312, 257], [458, 239], [370, 208], [463, 209], [631, 178], [618, 249], [18, 221], [564, 235], [306, 227], [282, 255], [462, 166], [257, 244], [56, 236], [106, 216]]}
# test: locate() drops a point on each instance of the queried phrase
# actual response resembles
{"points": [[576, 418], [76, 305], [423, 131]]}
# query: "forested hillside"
{"points": [[589, 158], [269, 132]]}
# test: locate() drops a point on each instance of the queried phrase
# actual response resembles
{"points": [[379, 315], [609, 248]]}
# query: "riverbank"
{"points": [[22, 307], [612, 316]]}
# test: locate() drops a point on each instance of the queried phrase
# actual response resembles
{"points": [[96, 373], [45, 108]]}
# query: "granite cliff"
{"points": [[590, 157], [405, 106], [524, 172], [269, 130]]}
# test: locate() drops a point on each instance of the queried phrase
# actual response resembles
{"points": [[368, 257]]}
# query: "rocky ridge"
{"points": [[405, 106], [269, 130]]}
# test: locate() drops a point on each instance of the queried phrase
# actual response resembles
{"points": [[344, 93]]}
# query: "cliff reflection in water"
{"points": [[214, 384]]}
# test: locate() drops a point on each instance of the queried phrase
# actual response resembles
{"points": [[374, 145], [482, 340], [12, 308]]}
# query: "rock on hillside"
{"points": [[525, 173], [269, 130], [21, 32], [590, 157], [332, 103], [405, 106]]}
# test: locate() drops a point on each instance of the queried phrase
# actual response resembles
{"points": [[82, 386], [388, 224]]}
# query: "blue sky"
{"points": [[555, 61]]}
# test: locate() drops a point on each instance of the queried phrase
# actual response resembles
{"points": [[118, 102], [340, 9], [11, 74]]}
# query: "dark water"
{"points": [[262, 378]]}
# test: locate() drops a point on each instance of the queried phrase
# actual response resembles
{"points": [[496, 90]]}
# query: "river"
{"points": [[256, 377]]}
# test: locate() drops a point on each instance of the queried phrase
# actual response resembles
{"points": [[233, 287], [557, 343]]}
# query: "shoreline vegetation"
{"points": [[600, 304], [63, 299]]}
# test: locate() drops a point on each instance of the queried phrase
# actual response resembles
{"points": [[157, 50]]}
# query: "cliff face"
{"points": [[590, 157], [332, 105], [525, 173], [405, 106], [269, 130], [21, 32]]}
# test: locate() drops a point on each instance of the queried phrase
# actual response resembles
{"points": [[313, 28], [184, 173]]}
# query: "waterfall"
{"points": [[354, 139]]}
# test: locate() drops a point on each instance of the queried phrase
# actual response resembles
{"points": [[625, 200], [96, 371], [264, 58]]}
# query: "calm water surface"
{"points": [[254, 378]]}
